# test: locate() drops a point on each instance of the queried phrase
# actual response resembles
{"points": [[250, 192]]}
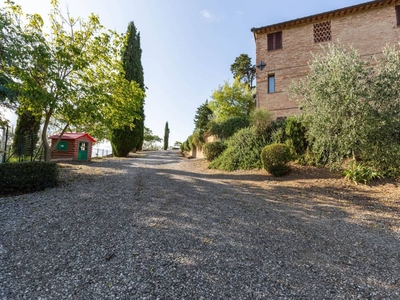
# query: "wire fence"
{"points": [[28, 148]]}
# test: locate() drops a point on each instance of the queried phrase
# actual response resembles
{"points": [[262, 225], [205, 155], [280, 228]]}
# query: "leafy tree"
{"points": [[177, 144], [243, 69], [166, 136], [149, 136], [47, 69], [202, 118], [352, 108], [230, 101], [71, 74], [132, 64], [150, 139]]}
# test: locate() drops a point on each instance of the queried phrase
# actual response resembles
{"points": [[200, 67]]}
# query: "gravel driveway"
{"points": [[156, 227]]}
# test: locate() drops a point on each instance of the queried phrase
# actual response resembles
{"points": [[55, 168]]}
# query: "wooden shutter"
{"points": [[398, 14], [278, 40], [270, 41], [275, 41]]}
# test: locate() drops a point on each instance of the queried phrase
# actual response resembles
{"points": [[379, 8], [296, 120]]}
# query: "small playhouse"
{"points": [[73, 145]]}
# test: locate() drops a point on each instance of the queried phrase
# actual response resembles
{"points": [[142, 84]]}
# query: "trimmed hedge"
{"points": [[275, 157], [25, 177]]}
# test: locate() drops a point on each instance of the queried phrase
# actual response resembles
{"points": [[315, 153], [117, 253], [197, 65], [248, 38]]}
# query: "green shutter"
{"points": [[62, 146]]}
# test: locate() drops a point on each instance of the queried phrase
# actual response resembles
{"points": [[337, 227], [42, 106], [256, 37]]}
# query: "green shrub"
{"points": [[213, 149], [197, 139], [225, 130], [261, 119], [25, 177], [185, 147], [243, 151], [360, 172], [275, 157], [295, 136]]}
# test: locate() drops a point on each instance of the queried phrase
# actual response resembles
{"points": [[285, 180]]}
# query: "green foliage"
{"points": [[352, 108], [203, 117], [185, 147], [197, 139], [224, 130], [295, 136], [27, 177], [27, 124], [261, 119], [360, 173], [213, 149], [123, 141], [275, 157], [243, 69], [132, 65], [150, 139], [230, 101], [72, 73], [166, 136], [243, 151], [132, 56]]}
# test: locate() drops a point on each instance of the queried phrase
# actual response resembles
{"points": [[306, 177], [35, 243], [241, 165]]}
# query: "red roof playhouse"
{"points": [[73, 145]]}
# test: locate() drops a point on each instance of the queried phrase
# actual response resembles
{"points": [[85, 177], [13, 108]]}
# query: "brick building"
{"points": [[283, 50]]}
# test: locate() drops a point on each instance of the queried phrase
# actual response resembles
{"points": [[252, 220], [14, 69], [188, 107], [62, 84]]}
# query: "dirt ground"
{"points": [[376, 204]]}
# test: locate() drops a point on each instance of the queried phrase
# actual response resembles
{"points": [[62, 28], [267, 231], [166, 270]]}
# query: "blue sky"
{"points": [[188, 45]]}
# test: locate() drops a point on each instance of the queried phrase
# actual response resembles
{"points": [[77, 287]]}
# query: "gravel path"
{"points": [[157, 227]]}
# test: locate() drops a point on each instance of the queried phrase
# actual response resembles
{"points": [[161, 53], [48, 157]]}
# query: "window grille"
{"points": [[322, 32]]}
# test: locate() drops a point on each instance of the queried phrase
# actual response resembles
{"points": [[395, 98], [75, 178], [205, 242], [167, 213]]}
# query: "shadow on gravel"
{"points": [[270, 243], [172, 234]]}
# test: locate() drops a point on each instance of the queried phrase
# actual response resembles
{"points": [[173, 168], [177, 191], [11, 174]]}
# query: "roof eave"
{"points": [[321, 16]]}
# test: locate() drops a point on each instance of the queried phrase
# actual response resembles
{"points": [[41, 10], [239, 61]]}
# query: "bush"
{"points": [[185, 147], [25, 177], [275, 157], [225, 130], [295, 136], [261, 119], [243, 151], [213, 150], [360, 172]]}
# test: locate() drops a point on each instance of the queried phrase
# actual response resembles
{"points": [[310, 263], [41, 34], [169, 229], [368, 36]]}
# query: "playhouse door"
{"points": [[83, 151]]}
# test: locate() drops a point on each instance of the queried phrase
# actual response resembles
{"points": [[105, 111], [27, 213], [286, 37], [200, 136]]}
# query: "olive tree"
{"points": [[352, 106]]}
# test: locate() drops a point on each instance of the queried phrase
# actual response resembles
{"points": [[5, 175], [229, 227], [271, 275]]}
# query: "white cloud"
{"points": [[208, 15]]}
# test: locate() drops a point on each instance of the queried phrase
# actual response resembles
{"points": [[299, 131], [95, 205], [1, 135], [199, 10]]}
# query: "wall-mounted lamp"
{"points": [[261, 65]]}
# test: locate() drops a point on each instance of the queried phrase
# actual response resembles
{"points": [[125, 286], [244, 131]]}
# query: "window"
{"points": [[62, 146], [398, 14], [275, 41], [322, 32], [271, 83]]}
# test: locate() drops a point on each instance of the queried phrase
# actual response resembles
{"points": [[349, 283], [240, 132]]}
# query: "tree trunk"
{"points": [[47, 153]]}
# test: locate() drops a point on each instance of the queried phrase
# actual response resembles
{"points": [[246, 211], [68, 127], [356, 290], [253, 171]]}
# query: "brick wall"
{"points": [[368, 31]]}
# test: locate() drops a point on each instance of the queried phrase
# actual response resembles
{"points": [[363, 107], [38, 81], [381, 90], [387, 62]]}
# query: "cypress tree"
{"points": [[132, 62], [26, 133], [166, 136]]}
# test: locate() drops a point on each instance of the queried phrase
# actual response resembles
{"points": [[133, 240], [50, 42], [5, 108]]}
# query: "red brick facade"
{"points": [[368, 27]]}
